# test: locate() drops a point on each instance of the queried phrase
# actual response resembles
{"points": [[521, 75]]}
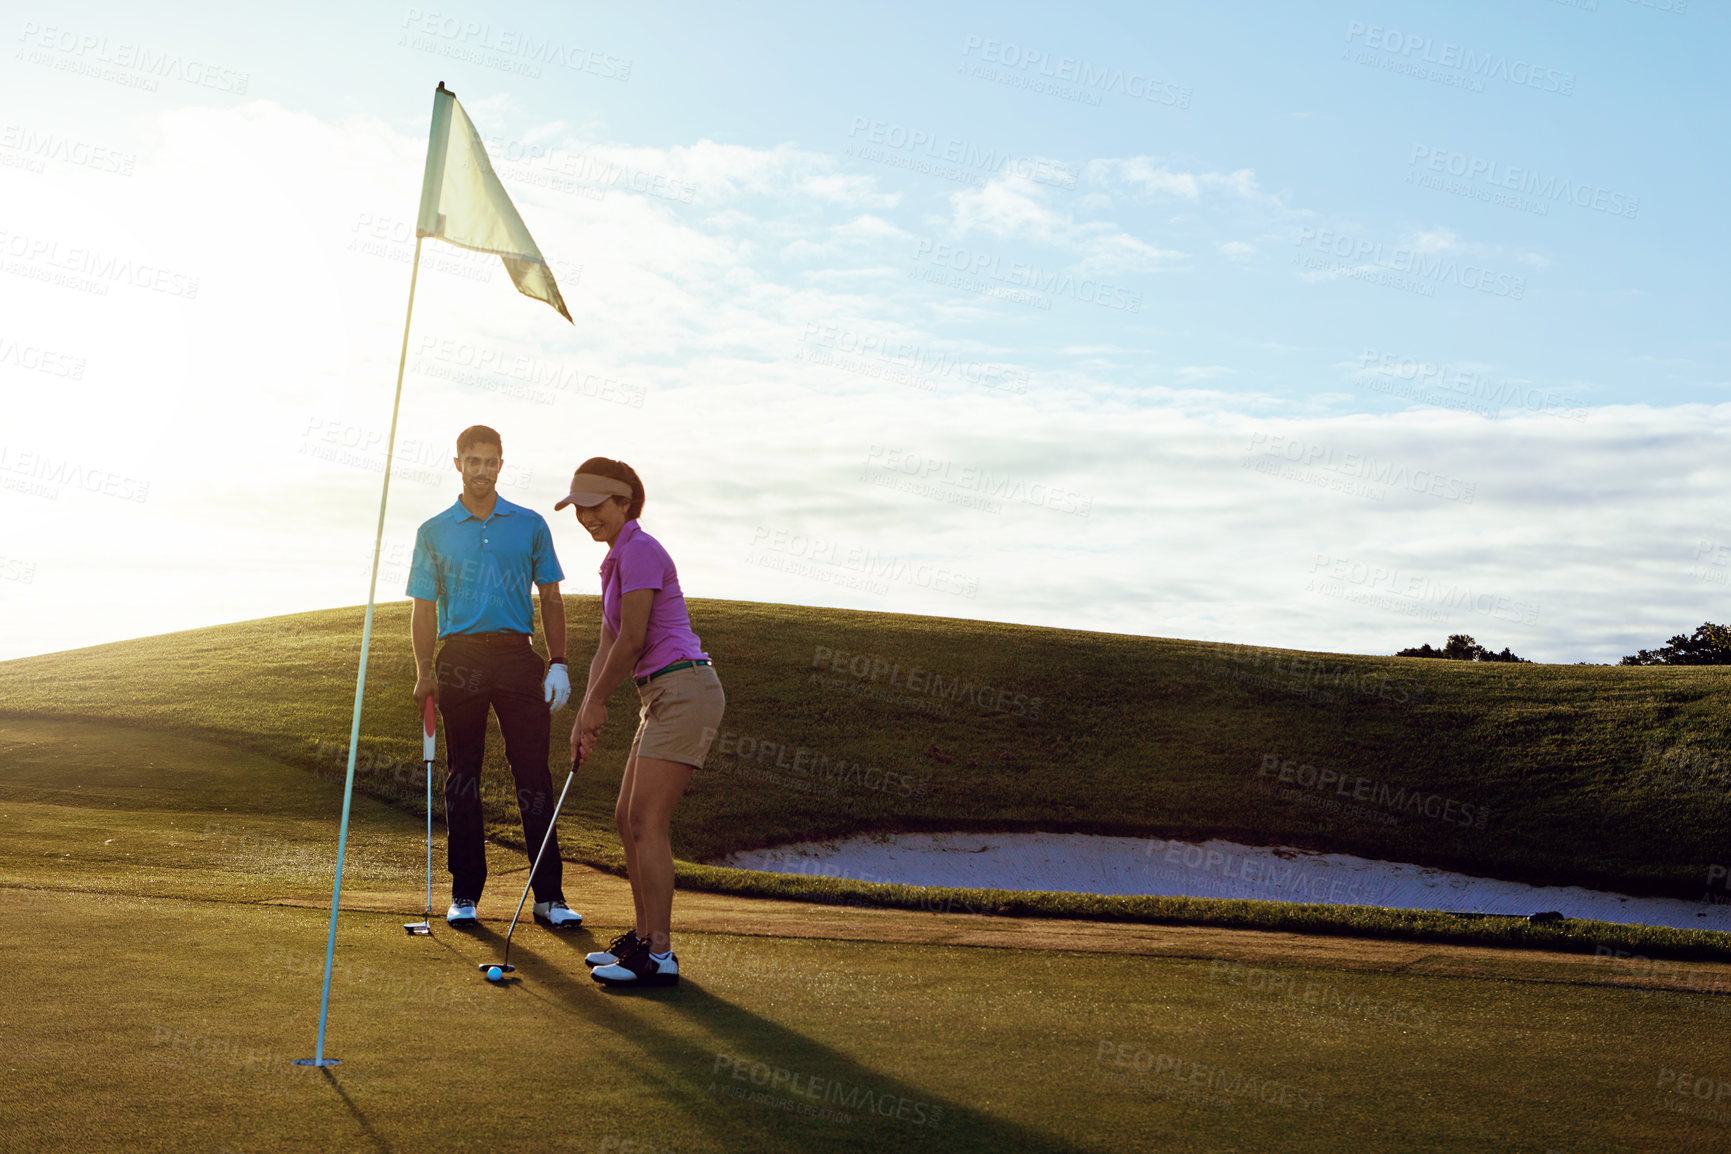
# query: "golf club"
{"points": [[425, 926], [505, 967]]}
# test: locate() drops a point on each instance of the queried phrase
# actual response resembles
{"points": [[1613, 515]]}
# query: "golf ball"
{"points": [[494, 974]]}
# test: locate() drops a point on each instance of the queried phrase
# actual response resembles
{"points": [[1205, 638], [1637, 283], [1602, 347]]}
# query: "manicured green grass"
{"points": [[970, 1050], [1133, 736], [159, 992]]}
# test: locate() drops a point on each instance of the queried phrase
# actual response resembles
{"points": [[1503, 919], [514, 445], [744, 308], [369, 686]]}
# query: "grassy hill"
{"points": [[840, 722]]}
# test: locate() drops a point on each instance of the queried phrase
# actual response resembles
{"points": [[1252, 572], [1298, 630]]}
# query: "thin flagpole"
{"points": [[319, 1058]]}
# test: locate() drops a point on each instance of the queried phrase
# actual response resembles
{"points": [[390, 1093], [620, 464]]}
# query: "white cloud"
{"points": [[763, 389], [1152, 177], [1009, 206], [1438, 240], [1014, 207]]}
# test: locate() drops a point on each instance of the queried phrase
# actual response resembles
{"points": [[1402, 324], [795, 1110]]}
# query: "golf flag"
{"points": [[463, 203]]}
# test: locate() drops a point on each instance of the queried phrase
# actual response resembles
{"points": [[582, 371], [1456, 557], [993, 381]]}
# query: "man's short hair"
{"points": [[478, 435]]}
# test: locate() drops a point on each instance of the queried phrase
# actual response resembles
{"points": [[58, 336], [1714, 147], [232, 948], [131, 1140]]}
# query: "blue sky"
{"points": [[1332, 326]]}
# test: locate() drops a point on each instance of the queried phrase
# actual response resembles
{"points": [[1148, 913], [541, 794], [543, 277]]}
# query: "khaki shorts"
{"points": [[681, 716]]}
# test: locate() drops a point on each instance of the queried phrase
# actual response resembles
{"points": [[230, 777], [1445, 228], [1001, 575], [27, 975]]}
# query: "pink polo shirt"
{"points": [[637, 561]]}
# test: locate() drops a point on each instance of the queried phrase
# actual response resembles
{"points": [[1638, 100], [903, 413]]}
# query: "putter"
{"points": [[506, 966], [424, 927]]}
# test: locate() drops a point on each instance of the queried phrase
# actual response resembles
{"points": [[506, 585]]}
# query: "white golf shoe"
{"points": [[462, 913], [639, 967], [557, 916]]}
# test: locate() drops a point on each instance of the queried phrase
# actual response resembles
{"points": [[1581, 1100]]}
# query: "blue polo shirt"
{"points": [[479, 572]]}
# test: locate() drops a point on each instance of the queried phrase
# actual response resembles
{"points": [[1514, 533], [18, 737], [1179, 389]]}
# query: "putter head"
{"points": [[414, 929], [504, 967]]}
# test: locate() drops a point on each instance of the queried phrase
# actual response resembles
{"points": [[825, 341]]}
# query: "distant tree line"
{"points": [[1461, 647], [1708, 645]]}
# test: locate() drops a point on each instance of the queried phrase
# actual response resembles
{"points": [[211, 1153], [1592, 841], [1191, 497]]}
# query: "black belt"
{"points": [[674, 668]]}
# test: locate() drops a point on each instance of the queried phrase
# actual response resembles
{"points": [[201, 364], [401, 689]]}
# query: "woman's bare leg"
{"points": [[622, 822], [656, 786]]}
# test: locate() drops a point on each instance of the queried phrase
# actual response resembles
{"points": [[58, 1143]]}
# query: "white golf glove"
{"points": [[557, 688]]}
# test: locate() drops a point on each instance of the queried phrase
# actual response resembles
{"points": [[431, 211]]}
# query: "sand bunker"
{"points": [[1086, 863]]}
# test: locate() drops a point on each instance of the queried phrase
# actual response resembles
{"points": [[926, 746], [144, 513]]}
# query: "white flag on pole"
{"points": [[463, 203]]}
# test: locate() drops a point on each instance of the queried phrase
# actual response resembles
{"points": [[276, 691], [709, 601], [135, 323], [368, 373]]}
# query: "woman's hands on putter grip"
{"points": [[587, 729]]}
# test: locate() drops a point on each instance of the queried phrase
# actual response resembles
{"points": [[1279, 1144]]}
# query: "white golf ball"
{"points": [[495, 974]]}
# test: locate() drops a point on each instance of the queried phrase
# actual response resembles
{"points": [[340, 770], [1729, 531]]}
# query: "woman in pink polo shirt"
{"points": [[646, 634]]}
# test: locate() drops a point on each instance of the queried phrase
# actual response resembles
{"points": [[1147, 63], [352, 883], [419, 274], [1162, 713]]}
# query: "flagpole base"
{"points": [[318, 1062]]}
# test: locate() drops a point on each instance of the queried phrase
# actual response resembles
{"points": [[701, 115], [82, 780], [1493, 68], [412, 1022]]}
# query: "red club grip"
{"points": [[428, 721]]}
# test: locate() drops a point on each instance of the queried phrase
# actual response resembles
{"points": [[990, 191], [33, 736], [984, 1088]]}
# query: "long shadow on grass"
{"points": [[373, 1135], [787, 1089]]}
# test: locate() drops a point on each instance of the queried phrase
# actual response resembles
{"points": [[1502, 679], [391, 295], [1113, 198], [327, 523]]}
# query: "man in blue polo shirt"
{"points": [[470, 579]]}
